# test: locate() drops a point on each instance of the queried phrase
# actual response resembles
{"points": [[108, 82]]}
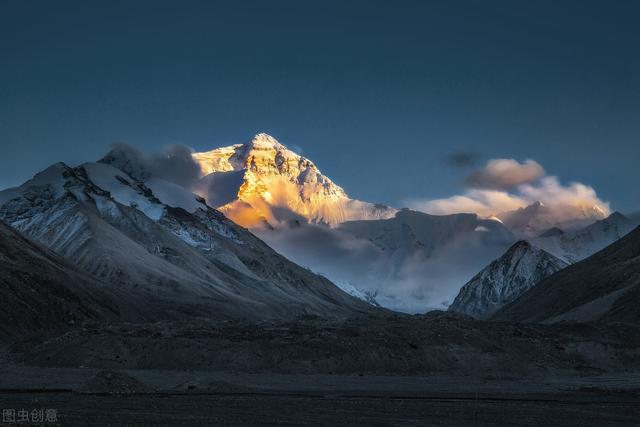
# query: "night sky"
{"points": [[379, 94]]}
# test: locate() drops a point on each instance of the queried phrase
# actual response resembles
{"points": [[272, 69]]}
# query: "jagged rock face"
{"points": [[505, 279], [277, 185], [182, 258]]}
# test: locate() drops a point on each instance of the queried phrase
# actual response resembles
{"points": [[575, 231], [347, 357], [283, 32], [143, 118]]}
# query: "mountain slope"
{"points": [[183, 263], [605, 286], [39, 290], [572, 246], [263, 180], [505, 279]]}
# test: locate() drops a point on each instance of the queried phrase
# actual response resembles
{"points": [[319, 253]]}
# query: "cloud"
{"points": [[411, 283], [463, 159], [174, 163], [504, 174], [525, 185], [482, 202], [568, 202]]}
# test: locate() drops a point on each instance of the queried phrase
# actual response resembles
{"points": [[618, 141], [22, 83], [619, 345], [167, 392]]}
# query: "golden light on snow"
{"points": [[276, 180]]}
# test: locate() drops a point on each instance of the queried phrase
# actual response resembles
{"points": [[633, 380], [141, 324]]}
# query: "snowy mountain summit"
{"points": [[505, 279], [263, 180]]}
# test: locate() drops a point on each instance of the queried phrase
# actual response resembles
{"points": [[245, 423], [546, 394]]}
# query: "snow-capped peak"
{"points": [[276, 185], [263, 154], [266, 141]]}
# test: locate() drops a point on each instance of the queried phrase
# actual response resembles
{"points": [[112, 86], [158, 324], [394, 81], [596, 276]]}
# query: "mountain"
{"points": [[182, 258], [411, 261], [572, 246], [603, 287], [263, 180], [505, 279], [40, 290], [536, 218]]}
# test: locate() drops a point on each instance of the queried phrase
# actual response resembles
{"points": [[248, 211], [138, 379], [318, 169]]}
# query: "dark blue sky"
{"points": [[377, 93]]}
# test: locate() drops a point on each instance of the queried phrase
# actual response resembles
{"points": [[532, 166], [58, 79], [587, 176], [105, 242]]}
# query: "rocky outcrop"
{"points": [[505, 279]]}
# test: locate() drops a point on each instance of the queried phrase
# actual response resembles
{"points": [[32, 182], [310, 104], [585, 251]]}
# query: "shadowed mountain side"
{"points": [[39, 290], [604, 287]]}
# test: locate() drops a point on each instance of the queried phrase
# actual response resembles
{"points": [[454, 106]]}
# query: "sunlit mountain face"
{"points": [[263, 182]]}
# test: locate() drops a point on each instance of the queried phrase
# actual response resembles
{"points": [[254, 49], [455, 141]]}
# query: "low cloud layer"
{"points": [[504, 174]]}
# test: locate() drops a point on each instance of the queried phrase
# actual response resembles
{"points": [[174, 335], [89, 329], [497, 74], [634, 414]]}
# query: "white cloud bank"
{"points": [[505, 185]]}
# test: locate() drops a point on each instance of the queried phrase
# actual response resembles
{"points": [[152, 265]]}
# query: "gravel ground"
{"points": [[420, 370]]}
